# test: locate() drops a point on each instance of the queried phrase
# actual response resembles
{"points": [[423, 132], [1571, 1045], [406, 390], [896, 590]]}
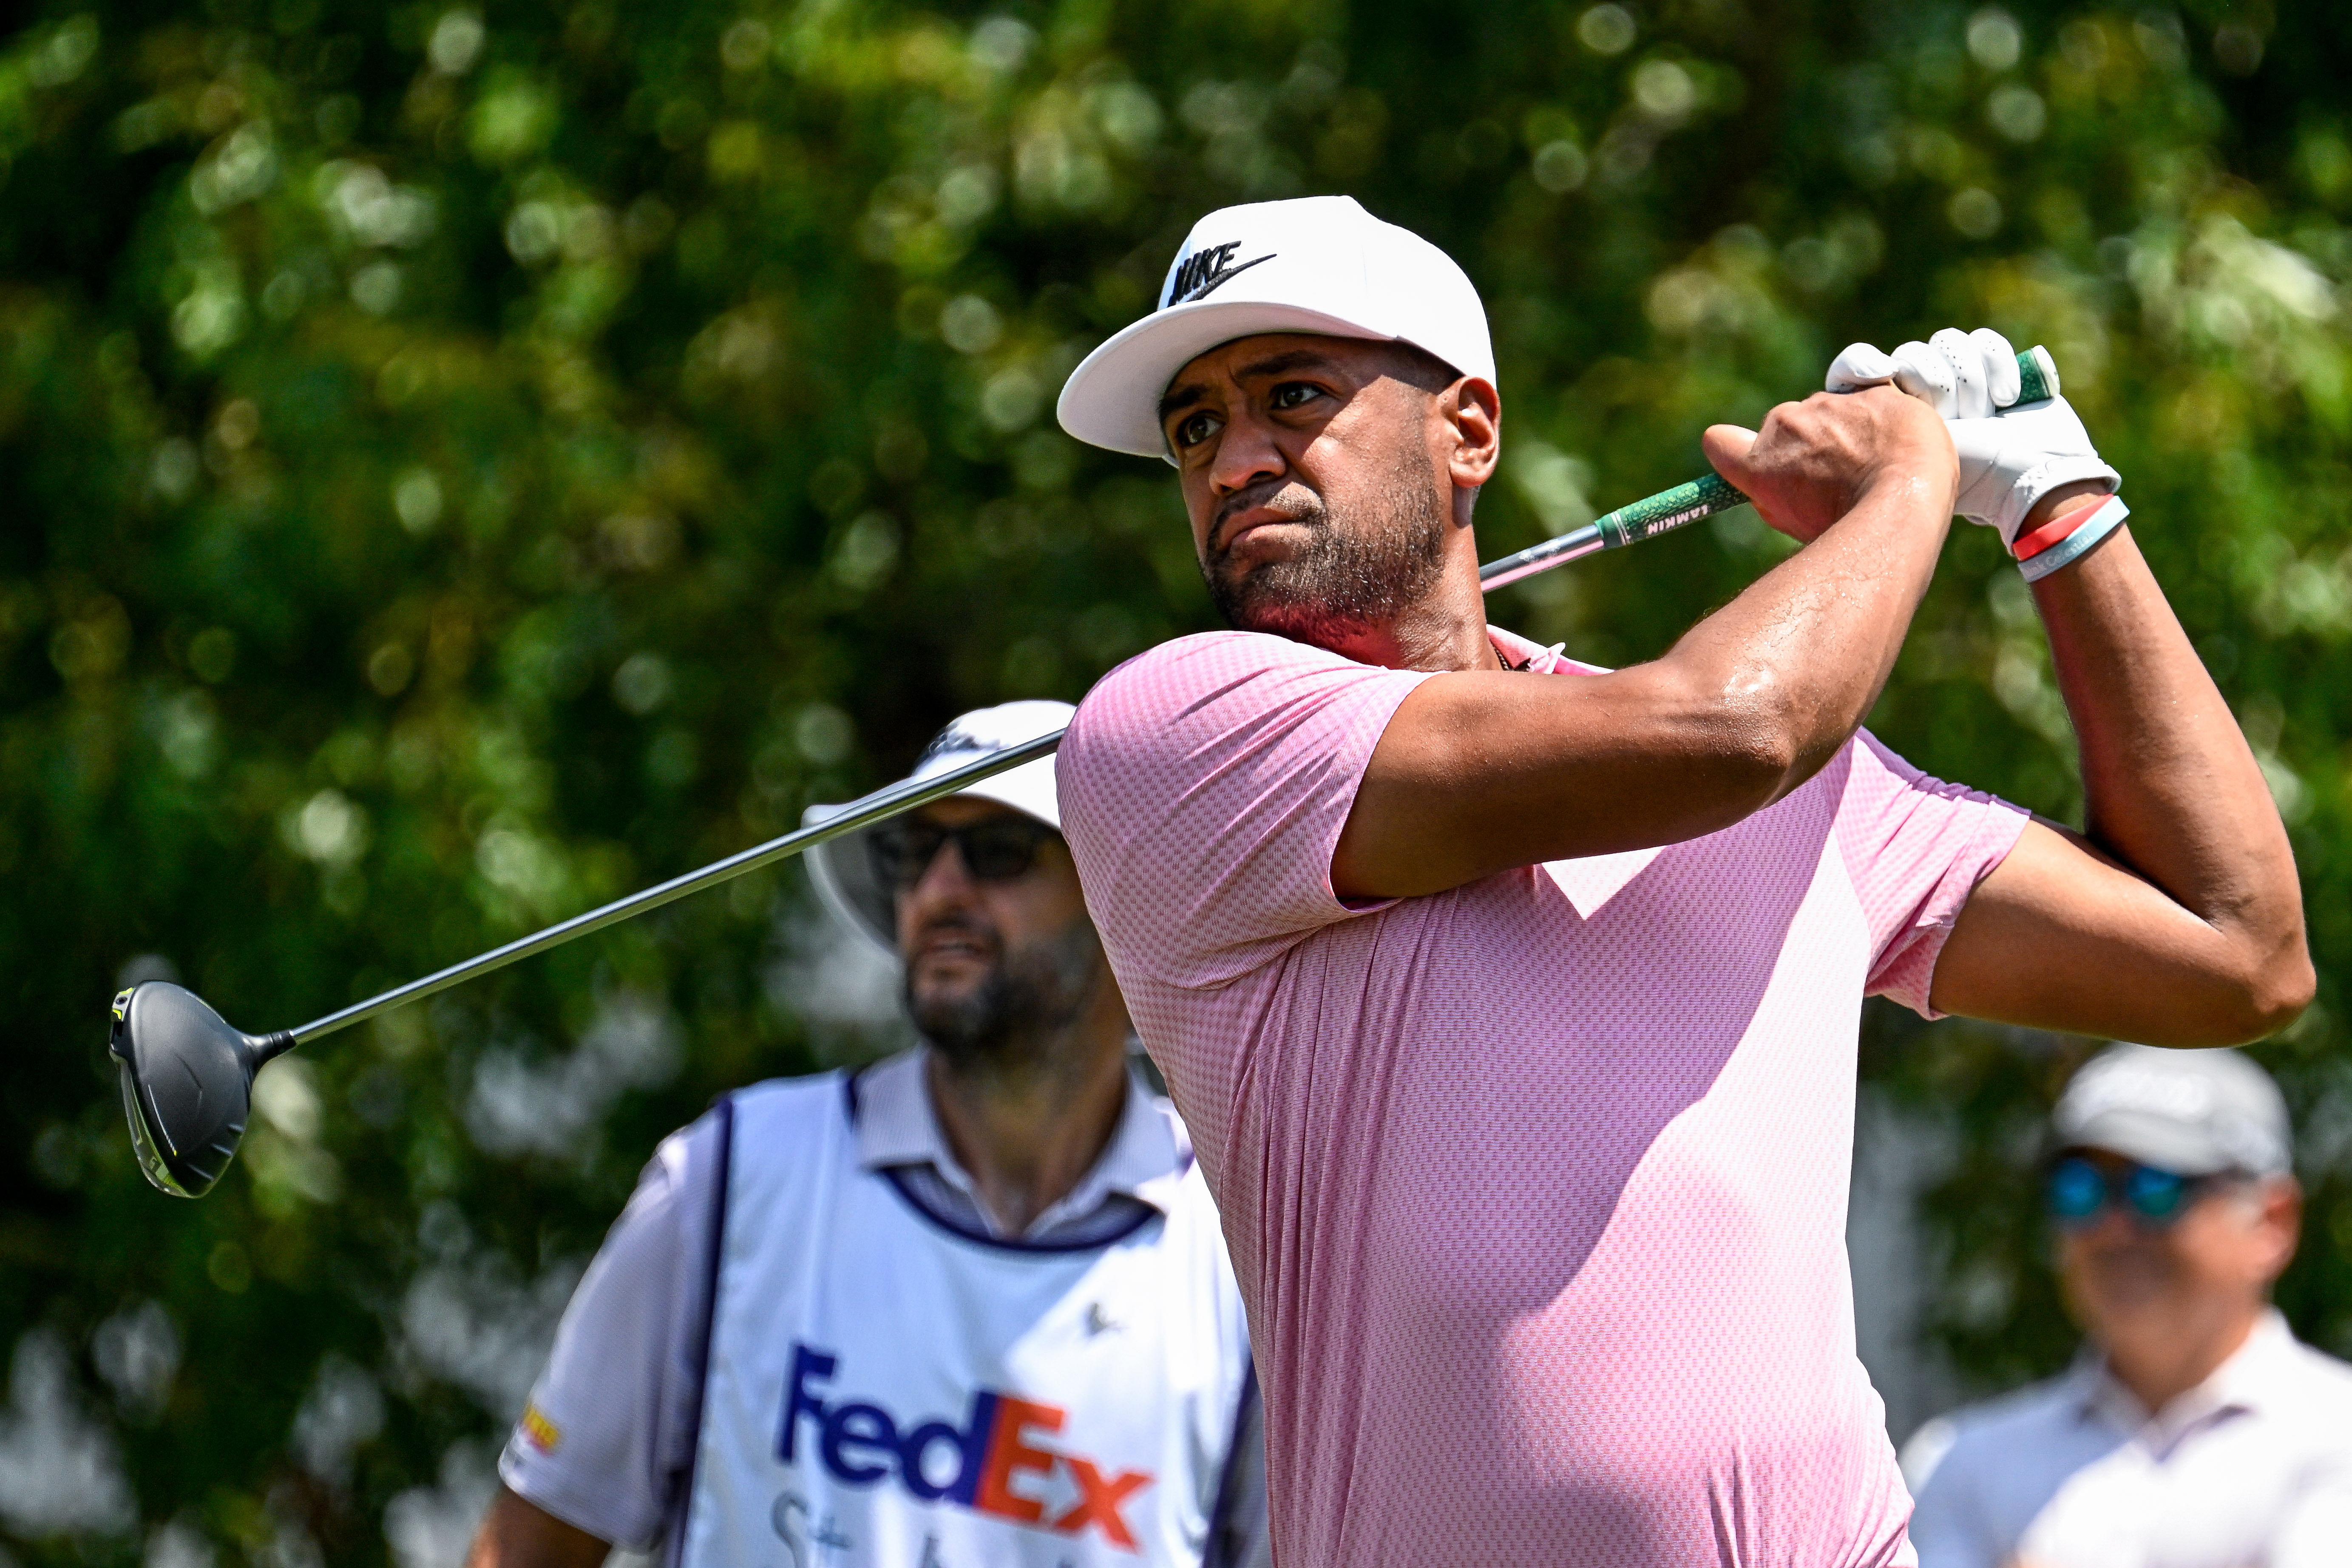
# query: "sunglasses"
{"points": [[999, 849], [2079, 1192]]}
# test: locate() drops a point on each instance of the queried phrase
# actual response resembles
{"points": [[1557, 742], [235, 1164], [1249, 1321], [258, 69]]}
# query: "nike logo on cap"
{"points": [[1203, 272]]}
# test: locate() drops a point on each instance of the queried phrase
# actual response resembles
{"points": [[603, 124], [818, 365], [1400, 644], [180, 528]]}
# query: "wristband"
{"points": [[2039, 554], [2034, 540]]}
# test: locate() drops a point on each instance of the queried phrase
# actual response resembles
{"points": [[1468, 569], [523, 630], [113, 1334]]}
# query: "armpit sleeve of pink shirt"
{"points": [[1203, 787], [1915, 847]]}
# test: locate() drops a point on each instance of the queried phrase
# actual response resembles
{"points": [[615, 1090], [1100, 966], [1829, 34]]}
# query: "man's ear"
{"points": [[1474, 410], [2282, 1224]]}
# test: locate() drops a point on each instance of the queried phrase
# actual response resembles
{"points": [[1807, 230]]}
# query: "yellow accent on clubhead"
{"points": [[123, 1002]]}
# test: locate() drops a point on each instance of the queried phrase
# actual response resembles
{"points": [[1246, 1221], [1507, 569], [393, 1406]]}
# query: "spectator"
{"points": [[2194, 1431], [967, 1308]]}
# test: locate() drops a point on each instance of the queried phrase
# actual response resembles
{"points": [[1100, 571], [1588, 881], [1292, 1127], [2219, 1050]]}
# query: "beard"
{"points": [[1363, 566], [1029, 996]]}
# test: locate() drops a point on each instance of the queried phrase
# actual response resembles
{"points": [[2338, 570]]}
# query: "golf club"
{"points": [[187, 1074]]}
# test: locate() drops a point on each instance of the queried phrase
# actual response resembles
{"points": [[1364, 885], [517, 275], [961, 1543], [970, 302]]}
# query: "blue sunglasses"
{"points": [[2079, 1192]]}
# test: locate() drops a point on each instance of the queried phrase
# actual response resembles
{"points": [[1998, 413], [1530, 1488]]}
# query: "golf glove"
{"points": [[2011, 454]]}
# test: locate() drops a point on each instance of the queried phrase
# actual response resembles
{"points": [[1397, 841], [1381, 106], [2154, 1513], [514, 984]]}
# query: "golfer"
{"points": [[968, 1306], [2194, 1431], [1512, 1003]]}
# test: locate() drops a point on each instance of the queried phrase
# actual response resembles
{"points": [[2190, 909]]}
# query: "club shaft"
{"points": [[1644, 518], [1659, 513], [862, 813]]}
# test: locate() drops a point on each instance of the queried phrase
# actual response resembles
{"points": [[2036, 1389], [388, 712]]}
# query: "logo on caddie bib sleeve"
{"points": [[991, 1462], [540, 1432]]}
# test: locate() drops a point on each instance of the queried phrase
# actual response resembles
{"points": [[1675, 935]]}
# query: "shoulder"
{"points": [[1206, 699], [2053, 1401], [1230, 651], [1196, 723], [1190, 670], [680, 1177], [646, 1262], [683, 1164], [1870, 751], [788, 1098], [676, 1188], [1949, 1448], [2318, 1386], [2325, 1371]]}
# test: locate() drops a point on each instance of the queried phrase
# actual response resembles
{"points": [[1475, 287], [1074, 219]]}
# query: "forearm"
{"points": [[2171, 789], [1473, 773], [1798, 658], [519, 1534]]}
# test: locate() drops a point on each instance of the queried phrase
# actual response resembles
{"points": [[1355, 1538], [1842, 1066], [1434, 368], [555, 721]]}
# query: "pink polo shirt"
{"points": [[1535, 1188]]}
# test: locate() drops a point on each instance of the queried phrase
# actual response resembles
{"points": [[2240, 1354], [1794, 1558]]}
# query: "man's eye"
{"points": [[1195, 428], [1294, 395]]}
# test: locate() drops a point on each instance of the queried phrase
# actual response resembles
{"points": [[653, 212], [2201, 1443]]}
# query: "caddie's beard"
{"points": [[1362, 566], [1008, 1023]]}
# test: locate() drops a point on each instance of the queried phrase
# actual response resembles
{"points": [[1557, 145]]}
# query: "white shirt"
{"points": [[2252, 1468], [886, 1390], [607, 1437], [898, 1130]]}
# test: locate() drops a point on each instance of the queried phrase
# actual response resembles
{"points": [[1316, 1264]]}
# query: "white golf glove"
{"points": [[2011, 454]]}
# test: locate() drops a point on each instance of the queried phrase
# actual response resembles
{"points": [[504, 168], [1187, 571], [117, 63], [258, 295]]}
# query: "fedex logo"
{"points": [[998, 1442]]}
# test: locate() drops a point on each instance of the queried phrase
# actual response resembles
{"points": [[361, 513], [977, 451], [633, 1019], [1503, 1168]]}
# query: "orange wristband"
{"points": [[2077, 535], [2030, 546]]}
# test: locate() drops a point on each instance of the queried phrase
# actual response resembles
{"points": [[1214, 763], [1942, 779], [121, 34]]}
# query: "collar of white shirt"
{"points": [[898, 1125], [2254, 1376]]}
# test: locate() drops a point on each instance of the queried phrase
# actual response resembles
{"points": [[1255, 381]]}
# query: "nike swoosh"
{"points": [[1208, 286]]}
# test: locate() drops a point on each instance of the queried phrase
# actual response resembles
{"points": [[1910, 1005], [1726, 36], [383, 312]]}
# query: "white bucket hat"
{"points": [[843, 869], [1314, 264]]}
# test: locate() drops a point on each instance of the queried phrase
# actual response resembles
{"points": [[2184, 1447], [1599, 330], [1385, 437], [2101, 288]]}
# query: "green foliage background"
{"points": [[457, 466]]}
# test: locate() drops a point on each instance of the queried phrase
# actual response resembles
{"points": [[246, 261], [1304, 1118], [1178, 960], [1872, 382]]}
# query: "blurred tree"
{"points": [[462, 464]]}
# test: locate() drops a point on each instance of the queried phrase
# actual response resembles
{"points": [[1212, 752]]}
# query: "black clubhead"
{"points": [[188, 1083]]}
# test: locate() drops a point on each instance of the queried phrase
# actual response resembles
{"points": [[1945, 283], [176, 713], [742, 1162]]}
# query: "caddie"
{"points": [[1513, 1002], [966, 1307]]}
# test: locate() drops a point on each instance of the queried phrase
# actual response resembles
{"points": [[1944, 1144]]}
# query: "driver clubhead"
{"points": [[188, 1083]]}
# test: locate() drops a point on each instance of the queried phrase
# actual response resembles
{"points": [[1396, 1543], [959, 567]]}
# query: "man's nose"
{"points": [[1247, 454], [944, 889], [2114, 1227], [945, 883]]}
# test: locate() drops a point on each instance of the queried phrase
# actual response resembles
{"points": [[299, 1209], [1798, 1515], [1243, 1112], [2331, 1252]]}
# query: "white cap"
{"points": [[2190, 1111], [843, 870], [1314, 264]]}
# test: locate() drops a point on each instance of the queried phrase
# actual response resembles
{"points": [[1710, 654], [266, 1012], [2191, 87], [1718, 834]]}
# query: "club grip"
{"points": [[1702, 496], [2037, 376]]}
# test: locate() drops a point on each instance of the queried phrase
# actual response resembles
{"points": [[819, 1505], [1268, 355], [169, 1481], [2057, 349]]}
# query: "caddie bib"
{"points": [[885, 1391]]}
